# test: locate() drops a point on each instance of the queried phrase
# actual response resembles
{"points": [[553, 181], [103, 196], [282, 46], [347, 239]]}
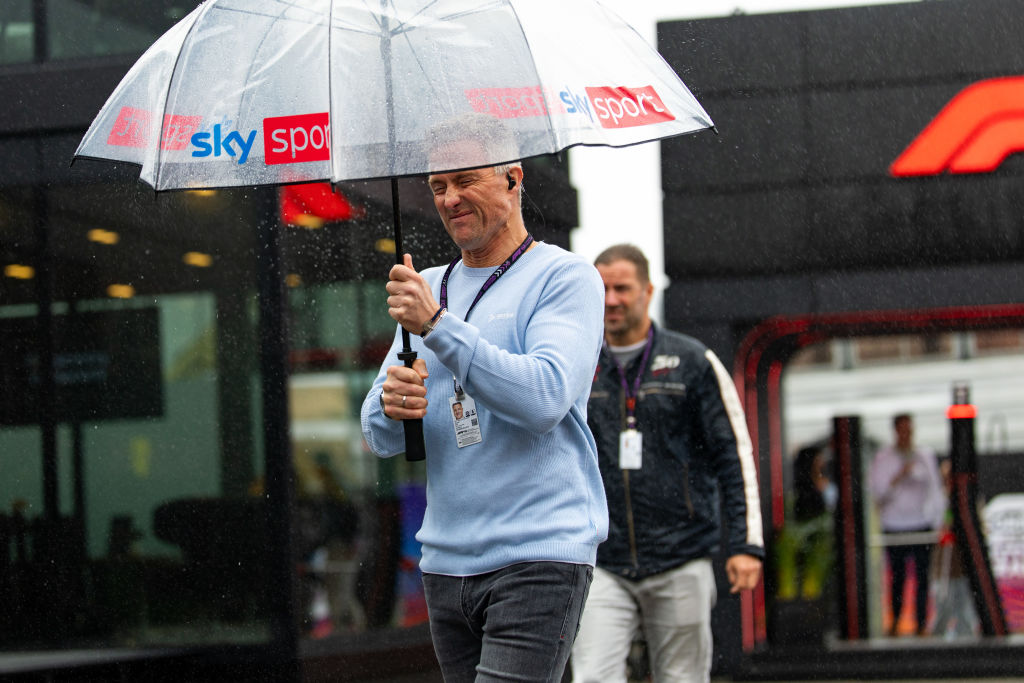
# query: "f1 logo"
{"points": [[973, 133]]}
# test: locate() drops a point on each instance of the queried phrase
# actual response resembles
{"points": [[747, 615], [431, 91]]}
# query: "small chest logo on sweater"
{"points": [[662, 364], [500, 316]]}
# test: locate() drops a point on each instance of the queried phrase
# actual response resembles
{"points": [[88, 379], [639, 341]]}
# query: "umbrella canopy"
{"points": [[261, 92]]}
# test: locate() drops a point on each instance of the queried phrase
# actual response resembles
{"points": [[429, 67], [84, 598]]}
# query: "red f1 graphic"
{"points": [[979, 128]]}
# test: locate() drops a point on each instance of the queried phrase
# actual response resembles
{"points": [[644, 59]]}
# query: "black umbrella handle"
{"points": [[414, 448]]}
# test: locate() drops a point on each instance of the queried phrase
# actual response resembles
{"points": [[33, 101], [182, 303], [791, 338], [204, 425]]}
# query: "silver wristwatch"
{"points": [[432, 323]]}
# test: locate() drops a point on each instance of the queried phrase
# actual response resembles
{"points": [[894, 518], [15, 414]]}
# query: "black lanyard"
{"points": [[631, 395]]}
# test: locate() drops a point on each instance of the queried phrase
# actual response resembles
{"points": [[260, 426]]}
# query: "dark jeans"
{"points": [[898, 555], [514, 624]]}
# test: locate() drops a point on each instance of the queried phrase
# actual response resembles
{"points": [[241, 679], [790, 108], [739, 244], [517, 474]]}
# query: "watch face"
{"points": [[429, 325]]}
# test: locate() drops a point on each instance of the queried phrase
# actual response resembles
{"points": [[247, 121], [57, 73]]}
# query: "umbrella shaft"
{"points": [[389, 100], [396, 216]]}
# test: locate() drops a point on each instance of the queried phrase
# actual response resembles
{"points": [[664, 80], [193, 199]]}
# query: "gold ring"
{"points": [[403, 401]]}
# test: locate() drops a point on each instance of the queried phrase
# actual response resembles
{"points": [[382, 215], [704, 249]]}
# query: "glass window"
{"points": [[130, 475], [88, 28], [357, 514], [17, 32], [875, 379]]}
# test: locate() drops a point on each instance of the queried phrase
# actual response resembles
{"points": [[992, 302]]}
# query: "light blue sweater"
{"points": [[531, 490]]}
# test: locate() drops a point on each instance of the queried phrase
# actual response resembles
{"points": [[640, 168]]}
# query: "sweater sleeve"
{"points": [[384, 437], [560, 337]]}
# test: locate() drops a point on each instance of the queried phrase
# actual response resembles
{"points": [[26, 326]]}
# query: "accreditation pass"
{"points": [[630, 449], [464, 420]]}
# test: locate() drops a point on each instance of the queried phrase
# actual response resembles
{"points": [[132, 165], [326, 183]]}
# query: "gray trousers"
{"points": [[673, 609]]}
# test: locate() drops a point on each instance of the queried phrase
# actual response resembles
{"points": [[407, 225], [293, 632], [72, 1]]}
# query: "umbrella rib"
{"points": [[377, 17], [448, 17], [288, 5], [457, 15], [405, 33], [167, 95], [412, 50], [401, 26], [294, 5], [330, 90], [274, 18], [536, 73], [475, 10]]}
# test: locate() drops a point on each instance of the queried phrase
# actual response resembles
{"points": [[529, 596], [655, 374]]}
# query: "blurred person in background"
{"points": [[907, 490], [674, 450]]}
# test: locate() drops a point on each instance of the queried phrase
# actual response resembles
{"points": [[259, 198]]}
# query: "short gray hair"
{"points": [[497, 140]]}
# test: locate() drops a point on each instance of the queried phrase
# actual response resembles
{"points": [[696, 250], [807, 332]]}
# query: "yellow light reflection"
{"points": [[293, 280], [120, 291], [197, 259], [19, 271], [103, 236], [307, 221], [202, 193], [385, 246]]}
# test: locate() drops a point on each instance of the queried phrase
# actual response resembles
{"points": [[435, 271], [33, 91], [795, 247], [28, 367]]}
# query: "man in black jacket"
{"points": [[673, 449]]}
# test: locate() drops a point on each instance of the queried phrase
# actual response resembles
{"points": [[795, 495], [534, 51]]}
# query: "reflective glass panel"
{"points": [[17, 32], [91, 28], [877, 379], [131, 471]]}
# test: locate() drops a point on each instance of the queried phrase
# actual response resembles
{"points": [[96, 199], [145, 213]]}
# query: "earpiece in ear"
{"points": [[511, 181]]}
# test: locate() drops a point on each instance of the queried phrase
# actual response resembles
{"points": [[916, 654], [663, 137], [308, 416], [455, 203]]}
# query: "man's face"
{"points": [[457, 409], [904, 432], [626, 301], [474, 205]]}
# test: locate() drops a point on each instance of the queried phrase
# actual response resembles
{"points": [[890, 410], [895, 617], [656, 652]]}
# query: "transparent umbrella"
{"points": [[266, 92]]}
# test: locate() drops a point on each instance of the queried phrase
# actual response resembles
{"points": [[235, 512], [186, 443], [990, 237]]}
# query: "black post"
{"points": [[966, 524], [40, 19], [282, 594], [849, 530], [234, 402], [77, 444], [46, 394]]}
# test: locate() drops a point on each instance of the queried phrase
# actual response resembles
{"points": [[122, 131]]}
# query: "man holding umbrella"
{"points": [[512, 330]]}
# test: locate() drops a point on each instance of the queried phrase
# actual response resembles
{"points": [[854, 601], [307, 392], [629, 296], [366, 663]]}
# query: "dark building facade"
{"points": [[864, 188], [183, 491], [793, 209]]}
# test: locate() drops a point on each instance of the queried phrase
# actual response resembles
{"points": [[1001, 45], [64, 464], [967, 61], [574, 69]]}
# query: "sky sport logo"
{"points": [[286, 139], [295, 139], [609, 107], [627, 107], [973, 133]]}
